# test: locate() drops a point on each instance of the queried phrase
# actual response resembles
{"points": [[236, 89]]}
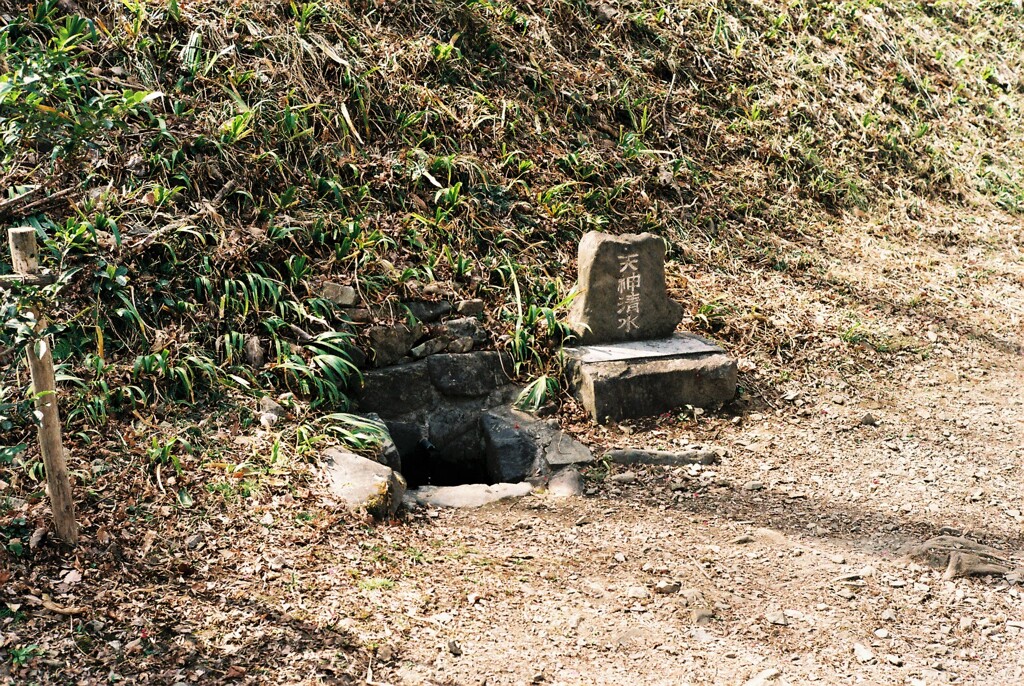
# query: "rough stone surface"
{"points": [[270, 406], [467, 326], [468, 495], [389, 344], [388, 454], [407, 433], [343, 296], [469, 375], [427, 348], [460, 345], [566, 483], [561, 450], [624, 389], [363, 484], [662, 457], [553, 447], [427, 311], [622, 290], [254, 354], [470, 308], [512, 454], [395, 391], [454, 430]]}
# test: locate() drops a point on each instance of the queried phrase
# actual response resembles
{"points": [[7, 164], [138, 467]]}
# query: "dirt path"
{"points": [[811, 490], [786, 554], [561, 592]]}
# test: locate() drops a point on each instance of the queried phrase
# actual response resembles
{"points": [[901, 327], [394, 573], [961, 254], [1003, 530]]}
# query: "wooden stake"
{"points": [[44, 387]]}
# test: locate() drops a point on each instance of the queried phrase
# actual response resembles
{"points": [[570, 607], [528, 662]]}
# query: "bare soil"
{"points": [[787, 554]]}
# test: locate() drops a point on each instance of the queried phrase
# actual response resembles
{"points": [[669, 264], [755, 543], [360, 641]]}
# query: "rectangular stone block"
{"points": [[620, 381], [395, 391], [622, 294]]}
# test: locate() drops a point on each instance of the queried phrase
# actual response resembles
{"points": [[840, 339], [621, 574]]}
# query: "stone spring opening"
{"points": [[451, 423]]}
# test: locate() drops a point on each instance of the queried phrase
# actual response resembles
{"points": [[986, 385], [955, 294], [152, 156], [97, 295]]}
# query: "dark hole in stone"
{"points": [[460, 459], [462, 443], [429, 465]]}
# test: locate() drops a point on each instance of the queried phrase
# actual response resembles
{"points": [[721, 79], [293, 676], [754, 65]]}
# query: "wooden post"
{"points": [[44, 387]]}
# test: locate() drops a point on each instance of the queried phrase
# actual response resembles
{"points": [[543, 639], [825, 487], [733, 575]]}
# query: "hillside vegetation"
{"points": [[196, 170], [220, 160]]}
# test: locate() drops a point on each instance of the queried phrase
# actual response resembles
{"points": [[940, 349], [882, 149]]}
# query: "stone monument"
{"points": [[630, 362]]}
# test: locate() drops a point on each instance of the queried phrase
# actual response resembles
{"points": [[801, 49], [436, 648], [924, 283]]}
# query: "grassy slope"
{"points": [[467, 142], [395, 144]]}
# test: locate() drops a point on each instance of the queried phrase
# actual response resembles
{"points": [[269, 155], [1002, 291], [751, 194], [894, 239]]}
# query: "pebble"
{"points": [[620, 558], [838, 559], [881, 633], [624, 478], [869, 420], [740, 540], [862, 653], [638, 592], [894, 660], [667, 587], [776, 618], [753, 486], [702, 615]]}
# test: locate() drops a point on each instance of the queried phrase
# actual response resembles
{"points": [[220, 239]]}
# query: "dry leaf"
{"points": [[147, 542], [37, 537]]}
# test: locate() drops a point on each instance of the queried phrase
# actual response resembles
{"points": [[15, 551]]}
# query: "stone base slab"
{"points": [[631, 380]]}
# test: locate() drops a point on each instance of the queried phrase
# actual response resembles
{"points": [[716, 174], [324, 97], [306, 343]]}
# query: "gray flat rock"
{"points": [[676, 344], [662, 457], [468, 495], [646, 386], [567, 483]]}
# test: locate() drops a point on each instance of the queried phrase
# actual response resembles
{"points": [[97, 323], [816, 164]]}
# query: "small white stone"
{"points": [[862, 653]]}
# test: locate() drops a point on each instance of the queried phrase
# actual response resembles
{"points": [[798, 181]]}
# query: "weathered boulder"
{"points": [[363, 484], [622, 294], [558, 449], [511, 453]]}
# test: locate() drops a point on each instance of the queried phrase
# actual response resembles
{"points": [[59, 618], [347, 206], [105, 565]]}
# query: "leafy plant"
{"points": [[23, 655]]}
